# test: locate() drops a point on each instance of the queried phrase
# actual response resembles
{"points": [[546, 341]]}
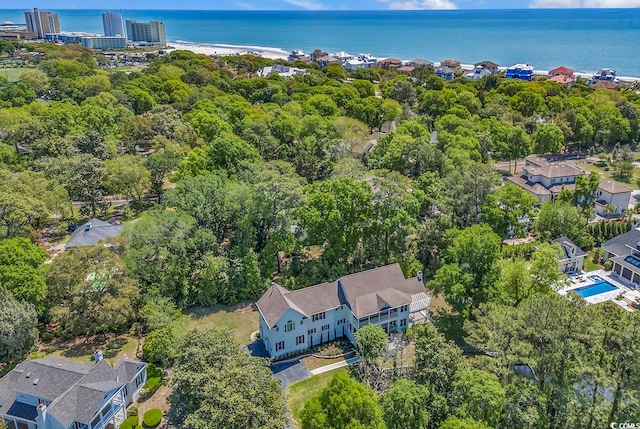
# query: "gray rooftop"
{"points": [[622, 245], [91, 233], [76, 390], [366, 293], [613, 187], [567, 244]]}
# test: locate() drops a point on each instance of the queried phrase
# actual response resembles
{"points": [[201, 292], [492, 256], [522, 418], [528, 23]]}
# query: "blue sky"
{"points": [[318, 4]]}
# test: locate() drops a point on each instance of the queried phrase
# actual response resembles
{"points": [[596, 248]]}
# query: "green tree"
{"points": [[18, 327], [547, 138], [160, 164], [557, 219], [503, 209], [90, 291], [29, 202], [343, 404], [335, 214], [216, 384], [371, 344], [22, 271], [457, 423], [478, 395], [436, 360], [127, 175], [404, 405]]}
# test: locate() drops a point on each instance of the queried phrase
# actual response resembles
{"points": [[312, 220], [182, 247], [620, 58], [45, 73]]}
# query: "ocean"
{"points": [[583, 39]]}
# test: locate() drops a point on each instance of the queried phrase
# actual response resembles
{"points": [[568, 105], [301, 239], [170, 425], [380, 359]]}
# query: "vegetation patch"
{"points": [[152, 418]]}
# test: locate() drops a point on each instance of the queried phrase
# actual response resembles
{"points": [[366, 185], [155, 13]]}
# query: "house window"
{"points": [[403, 322], [341, 321], [319, 316], [140, 380], [290, 326], [311, 331], [299, 340], [325, 328], [280, 345]]}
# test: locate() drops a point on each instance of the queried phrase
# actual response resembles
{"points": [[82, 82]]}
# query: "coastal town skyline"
{"points": [[333, 4]]}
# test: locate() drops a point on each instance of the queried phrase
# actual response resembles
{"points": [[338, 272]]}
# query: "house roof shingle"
{"points": [[76, 390], [366, 292], [622, 245], [555, 170], [613, 187], [91, 233], [567, 244]]}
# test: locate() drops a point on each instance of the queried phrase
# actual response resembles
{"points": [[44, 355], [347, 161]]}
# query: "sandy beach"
{"points": [[221, 49]]}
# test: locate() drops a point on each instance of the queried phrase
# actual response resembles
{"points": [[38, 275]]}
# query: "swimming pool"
{"points": [[602, 286]]}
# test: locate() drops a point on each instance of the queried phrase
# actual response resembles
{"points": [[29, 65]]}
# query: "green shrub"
{"points": [[152, 417], [130, 422], [154, 378], [608, 265], [139, 427], [132, 411]]}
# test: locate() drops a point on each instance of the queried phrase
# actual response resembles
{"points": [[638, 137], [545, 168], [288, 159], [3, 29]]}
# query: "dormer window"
{"points": [[290, 326]]}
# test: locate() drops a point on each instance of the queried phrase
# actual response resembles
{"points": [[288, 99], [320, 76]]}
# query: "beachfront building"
{"points": [[363, 61], [452, 64], [390, 64], [150, 33], [608, 76], [572, 258], [562, 75], [52, 393], [612, 194], [101, 43], [445, 73], [478, 73], [545, 180], [520, 71], [294, 321], [42, 22], [280, 70], [297, 55], [489, 65], [113, 24], [420, 63]]}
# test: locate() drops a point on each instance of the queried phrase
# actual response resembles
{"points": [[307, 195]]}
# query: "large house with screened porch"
{"points": [[294, 321], [52, 393]]}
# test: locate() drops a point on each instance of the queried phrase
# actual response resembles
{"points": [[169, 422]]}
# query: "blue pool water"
{"points": [[601, 286]]}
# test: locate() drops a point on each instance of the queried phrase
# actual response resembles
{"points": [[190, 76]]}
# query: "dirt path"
{"points": [[158, 400]]}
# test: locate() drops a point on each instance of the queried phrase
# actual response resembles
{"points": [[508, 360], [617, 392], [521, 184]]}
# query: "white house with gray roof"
{"points": [[54, 393], [572, 258], [624, 253], [294, 321], [612, 193]]}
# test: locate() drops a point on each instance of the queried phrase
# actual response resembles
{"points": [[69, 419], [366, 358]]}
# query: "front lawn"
{"points": [[298, 393], [589, 265]]}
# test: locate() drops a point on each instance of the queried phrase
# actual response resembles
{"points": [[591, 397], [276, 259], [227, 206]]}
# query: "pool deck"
{"points": [[576, 281]]}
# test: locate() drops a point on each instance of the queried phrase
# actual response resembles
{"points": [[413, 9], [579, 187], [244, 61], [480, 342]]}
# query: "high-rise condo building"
{"points": [[113, 24], [42, 22], [149, 32]]}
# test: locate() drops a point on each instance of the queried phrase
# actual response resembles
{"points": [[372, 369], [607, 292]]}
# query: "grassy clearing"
{"points": [[81, 349], [298, 393], [589, 265], [243, 320], [600, 169], [12, 74]]}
